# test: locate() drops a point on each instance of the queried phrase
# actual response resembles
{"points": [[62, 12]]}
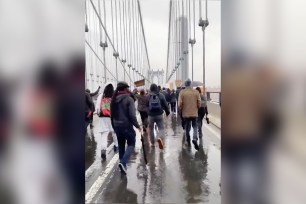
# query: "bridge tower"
{"points": [[159, 74]]}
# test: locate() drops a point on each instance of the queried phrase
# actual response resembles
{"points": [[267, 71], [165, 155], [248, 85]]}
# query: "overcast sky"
{"points": [[155, 15]]}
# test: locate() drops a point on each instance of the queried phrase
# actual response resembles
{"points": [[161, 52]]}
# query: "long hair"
{"points": [[199, 90], [108, 91], [142, 92]]}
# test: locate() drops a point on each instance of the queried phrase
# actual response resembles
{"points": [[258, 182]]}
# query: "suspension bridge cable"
{"points": [[170, 7], [139, 44], [124, 29], [86, 17], [100, 29], [200, 8], [116, 24], [206, 10], [112, 16], [104, 18], [189, 20], [146, 48], [106, 34], [95, 53], [132, 39], [133, 35], [120, 26], [194, 19]]}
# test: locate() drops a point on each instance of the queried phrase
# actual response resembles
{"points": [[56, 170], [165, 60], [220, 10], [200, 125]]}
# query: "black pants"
{"points": [[201, 114], [173, 107], [182, 120], [144, 118]]}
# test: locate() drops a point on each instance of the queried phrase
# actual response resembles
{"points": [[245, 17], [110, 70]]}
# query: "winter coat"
{"points": [[163, 103], [173, 97], [189, 102], [142, 103], [126, 112], [89, 104]]}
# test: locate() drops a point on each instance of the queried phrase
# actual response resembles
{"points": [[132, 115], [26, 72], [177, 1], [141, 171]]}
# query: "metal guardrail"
{"points": [[209, 96]]}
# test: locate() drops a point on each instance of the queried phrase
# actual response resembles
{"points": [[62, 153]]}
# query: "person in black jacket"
{"points": [[89, 109], [123, 118], [92, 95], [157, 104]]}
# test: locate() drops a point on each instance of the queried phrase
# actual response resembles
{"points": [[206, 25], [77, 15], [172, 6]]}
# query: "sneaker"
{"points": [[103, 154], [122, 168], [115, 148], [160, 143], [196, 146]]}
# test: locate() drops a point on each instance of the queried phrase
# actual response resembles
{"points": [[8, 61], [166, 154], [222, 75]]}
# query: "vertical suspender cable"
{"points": [[116, 57], [200, 8], [138, 46], [194, 19], [144, 37], [113, 33], [105, 42], [121, 34], [189, 20], [205, 9], [100, 29], [130, 41], [169, 38]]}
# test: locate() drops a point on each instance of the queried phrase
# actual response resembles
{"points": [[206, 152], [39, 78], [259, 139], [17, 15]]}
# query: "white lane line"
{"points": [[97, 163], [218, 135], [99, 182]]}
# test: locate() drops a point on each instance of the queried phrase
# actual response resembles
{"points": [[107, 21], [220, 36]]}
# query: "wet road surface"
{"points": [[178, 174]]}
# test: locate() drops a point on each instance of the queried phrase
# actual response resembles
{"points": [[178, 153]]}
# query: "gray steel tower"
{"points": [[183, 72]]}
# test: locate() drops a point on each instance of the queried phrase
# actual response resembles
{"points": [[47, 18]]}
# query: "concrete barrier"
{"points": [[214, 113]]}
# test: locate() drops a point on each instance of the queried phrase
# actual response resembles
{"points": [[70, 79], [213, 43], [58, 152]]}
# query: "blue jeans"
{"points": [[125, 135], [188, 122], [159, 120]]}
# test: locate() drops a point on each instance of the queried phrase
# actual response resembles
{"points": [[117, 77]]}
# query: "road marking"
{"points": [[218, 135], [97, 163], [99, 182]]}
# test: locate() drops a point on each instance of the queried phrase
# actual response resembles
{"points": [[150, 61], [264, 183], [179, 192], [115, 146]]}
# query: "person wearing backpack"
{"points": [[104, 114], [157, 104], [123, 118]]}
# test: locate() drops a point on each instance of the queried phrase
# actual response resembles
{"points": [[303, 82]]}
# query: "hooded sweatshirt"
{"points": [[126, 113]]}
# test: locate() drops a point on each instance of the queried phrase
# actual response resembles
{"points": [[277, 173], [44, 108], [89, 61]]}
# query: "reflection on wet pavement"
{"points": [[178, 174]]}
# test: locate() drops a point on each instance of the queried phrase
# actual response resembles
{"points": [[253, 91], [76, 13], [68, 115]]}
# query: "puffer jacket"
{"points": [[189, 102]]}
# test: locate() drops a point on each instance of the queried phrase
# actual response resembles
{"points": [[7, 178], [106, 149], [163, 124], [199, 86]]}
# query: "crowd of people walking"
{"points": [[116, 111]]}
